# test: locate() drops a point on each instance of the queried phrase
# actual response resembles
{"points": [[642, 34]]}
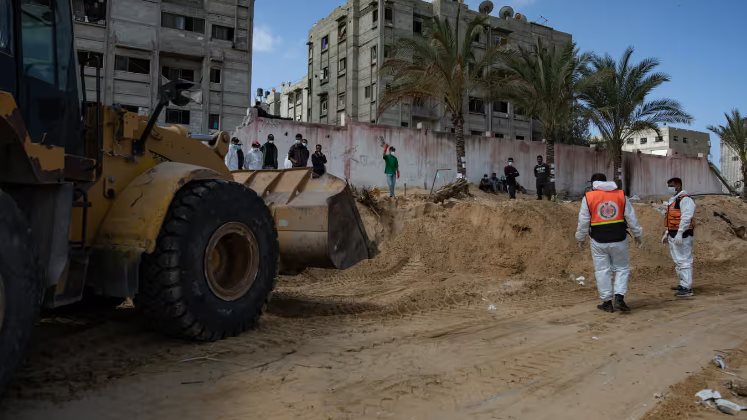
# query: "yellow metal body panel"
{"points": [[135, 218]]}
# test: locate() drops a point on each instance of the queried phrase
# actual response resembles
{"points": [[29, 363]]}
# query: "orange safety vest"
{"points": [[674, 216], [607, 209]]}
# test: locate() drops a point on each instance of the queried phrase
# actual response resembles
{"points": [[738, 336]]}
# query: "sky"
{"points": [[701, 45]]}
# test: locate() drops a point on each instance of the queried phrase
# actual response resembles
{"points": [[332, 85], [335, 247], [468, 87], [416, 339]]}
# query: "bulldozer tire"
{"points": [[215, 263], [20, 288]]}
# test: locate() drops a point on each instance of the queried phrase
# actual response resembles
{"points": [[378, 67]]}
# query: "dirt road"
{"points": [[471, 311]]}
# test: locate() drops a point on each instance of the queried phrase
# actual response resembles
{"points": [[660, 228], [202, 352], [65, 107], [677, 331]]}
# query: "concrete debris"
{"points": [[708, 394], [492, 307], [719, 361], [580, 280], [728, 407]]}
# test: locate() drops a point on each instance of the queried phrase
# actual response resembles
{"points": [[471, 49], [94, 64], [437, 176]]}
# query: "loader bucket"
{"points": [[317, 221]]}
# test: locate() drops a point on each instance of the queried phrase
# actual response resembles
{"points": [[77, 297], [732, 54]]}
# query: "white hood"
{"points": [[604, 185]]}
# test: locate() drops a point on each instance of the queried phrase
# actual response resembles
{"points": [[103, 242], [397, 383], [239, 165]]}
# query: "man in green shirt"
{"points": [[391, 168]]}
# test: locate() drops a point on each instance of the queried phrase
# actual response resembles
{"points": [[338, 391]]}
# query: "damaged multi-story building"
{"points": [[140, 44], [347, 48]]}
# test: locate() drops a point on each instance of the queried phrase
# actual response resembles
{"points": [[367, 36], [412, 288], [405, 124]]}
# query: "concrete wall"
{"points": [[354, 152]]}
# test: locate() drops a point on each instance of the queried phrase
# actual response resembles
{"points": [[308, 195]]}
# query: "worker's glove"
{"points": [[665, 238], [639, 241], [397, 173], [678, 239], [580, 244]]}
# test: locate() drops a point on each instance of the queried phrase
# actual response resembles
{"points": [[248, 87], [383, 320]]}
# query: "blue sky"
{"points": [[701, 45]]}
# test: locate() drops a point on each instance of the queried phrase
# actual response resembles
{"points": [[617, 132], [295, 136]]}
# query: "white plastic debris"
{"points": [[728, 407], [635, 198], [580, 280], [595, 338], [492, 307], [708, 394], [719, 361]]}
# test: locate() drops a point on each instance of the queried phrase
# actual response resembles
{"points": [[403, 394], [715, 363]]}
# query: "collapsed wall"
{"points": [[354, 152]]}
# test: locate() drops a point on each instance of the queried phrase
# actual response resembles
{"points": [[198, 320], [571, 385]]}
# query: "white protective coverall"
{"points": [[682, 254], [253, 159], [610, 259], [232, 158]]}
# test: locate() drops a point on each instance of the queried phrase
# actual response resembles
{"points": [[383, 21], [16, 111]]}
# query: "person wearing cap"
{"points": [[511, 174], [679, 233], [269, 153], [296, 153], [234, 159], [605, 215], [254, 157]]}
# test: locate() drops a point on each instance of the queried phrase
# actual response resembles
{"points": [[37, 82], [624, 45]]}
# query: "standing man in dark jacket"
{"points": [[542, 173], [270, 153], [305, 153], [318, 160], [295, 153], [511, 174]]}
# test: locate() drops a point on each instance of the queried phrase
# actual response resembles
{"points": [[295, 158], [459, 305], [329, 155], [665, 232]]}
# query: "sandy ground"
{"points": [[471, 310]]}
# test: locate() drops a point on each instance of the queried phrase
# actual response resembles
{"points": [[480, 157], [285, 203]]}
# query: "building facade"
{"points": [[346, 49], [144, 43], [731, 167], [670, 141]]}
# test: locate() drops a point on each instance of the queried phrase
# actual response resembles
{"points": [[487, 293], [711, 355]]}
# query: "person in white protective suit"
{"points": [[235, 157], [679, 233], [254, 158], [605, 215]]}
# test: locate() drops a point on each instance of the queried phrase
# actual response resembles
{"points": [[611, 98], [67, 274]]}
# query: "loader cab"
{"points": [[38, 67]]}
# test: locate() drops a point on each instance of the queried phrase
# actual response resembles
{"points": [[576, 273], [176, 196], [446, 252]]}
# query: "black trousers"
{"points": [[512, 190], [544, 188]]}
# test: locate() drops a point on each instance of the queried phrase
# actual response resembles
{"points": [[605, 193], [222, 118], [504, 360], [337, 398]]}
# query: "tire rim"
{"points": [[231, 261], [2, 301]]}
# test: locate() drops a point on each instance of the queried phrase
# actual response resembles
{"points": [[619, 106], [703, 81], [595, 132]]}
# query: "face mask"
{"points": [[672, 190], [271, 141], [510, 164], [306, 145], [298, 141]]}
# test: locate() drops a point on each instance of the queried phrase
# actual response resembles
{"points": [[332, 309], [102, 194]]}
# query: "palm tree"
{"points": [[734, 135], [615, 96], [545, 81], [441, 67]]}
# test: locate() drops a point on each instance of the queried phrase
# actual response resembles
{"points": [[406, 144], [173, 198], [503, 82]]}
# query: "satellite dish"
{"points": [[486, 7], [506, 12], [520, 17]]}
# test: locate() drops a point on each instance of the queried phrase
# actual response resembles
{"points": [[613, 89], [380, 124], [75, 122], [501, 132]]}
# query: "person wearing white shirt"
{"points": [[679, 233]]}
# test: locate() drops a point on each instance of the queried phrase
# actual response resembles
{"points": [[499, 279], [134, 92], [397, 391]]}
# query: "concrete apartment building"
{"points": [[142, 43], [346, 48], [731, 167], [670, 141]]}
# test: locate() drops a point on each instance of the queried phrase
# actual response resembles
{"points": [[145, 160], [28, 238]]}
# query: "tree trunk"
{"points": [[617, 167], [550, 156], [460, 150], [744, 180]]}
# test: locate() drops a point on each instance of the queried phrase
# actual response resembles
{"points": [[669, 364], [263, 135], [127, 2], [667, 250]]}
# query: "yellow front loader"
{"points": [[99, 200]]}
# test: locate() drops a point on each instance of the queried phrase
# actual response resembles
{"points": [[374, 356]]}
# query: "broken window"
{"points": [[184, 23], [375, 17], [500, 106], [374, 54], [342, 31], [131, 64], [91, 59], [177, 116], [90, 11], [222, 32], [388, 15], [342, 65], [325, 42], [324, 102], [476, 105], [173, 73], [325, 74], [214, 121], [341, 100], [214, 75], [417, 25]]}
